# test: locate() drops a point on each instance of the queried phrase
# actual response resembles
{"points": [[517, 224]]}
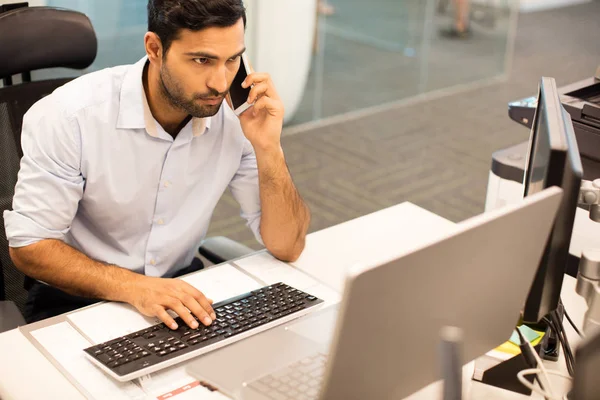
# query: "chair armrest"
{"points": [[10, 316], [219, 249]]}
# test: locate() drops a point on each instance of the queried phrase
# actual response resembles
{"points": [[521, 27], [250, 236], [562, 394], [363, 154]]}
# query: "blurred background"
{"points": [[386, 102]]}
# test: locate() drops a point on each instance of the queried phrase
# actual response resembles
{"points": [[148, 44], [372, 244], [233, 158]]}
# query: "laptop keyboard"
{"points": [[299, 381], [154, 348]]}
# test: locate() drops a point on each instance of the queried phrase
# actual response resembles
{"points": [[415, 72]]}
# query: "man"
{"points": [[122, 169]]}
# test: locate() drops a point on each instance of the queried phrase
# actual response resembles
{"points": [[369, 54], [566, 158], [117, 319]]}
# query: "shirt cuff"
{"points": [[22, 231]]}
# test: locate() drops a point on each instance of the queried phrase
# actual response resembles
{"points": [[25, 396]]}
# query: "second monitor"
{"points": [[552, 160]]}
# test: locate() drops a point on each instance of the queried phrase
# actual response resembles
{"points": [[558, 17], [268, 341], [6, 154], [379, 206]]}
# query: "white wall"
{"points": [[535, 5]]}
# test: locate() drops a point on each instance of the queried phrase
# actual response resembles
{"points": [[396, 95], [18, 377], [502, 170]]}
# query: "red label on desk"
{"points": [[182, 389]]}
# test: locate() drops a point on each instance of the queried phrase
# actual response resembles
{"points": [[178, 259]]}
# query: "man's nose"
{"points": [[218, 80]]}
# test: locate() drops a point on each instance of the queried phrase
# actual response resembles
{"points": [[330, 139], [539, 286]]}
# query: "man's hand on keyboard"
{"points": [[153, 296]]}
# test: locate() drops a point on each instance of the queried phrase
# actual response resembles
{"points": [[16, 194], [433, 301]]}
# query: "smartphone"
{"points": [[237, 94]]}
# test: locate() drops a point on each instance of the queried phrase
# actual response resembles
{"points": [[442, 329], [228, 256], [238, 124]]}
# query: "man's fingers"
{"points": [[183, 312], [257, 91], [258, 79], [265, 103], [255, 78], [201, 299], [164, 316], [198, 309]]}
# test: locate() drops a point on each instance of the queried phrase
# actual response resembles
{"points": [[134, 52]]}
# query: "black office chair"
{"points": [[51, 38]]}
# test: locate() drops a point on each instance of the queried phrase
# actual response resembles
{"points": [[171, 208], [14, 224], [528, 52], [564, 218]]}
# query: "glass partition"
{"points": [[360, 55]]}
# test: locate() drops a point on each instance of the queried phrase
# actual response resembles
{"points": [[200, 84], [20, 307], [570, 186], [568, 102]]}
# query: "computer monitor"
{"points": [[552, 160]]}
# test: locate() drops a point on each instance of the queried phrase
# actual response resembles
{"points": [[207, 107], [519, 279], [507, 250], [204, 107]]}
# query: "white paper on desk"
{"points": [[107, 321], [66, 346], [270, 270], [175, 382], [222, 282]]}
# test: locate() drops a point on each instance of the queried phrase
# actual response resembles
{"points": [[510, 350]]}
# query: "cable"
{"points": [[530, 351], [551, 321], [529, 385], [528, 355], [572, 323], [565, 342], [555, 323]]}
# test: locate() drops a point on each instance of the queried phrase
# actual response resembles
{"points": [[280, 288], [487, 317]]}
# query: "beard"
{"points": [[172, 91]]}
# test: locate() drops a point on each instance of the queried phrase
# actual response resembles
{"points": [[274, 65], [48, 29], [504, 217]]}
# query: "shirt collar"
{"points": [[134, 111]]}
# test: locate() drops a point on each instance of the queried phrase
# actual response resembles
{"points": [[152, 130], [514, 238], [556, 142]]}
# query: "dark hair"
{"points": [[167, 17]]}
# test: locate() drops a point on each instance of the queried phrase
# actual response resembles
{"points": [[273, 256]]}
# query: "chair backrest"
{"points": [[35, 38], [31, 39]]}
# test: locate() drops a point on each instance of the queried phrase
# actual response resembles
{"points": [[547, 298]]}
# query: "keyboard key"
{"points": [[105, 358]]}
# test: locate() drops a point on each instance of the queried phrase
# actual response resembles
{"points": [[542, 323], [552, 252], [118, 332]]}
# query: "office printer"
{"points": [[582, 102]]}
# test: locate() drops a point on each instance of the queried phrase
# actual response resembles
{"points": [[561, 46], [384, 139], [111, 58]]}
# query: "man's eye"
{"points": [[234, 59], [202, 60]]}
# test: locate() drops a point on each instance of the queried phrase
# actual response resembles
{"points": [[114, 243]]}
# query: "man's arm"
{"points": [[285, 218], [47, 195], [58, 264]]}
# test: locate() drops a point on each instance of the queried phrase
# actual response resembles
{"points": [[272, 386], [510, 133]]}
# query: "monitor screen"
{"points": [[553, 160]]}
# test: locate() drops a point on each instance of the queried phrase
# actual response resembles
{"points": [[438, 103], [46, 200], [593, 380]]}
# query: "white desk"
{"points": [[26, 374]]}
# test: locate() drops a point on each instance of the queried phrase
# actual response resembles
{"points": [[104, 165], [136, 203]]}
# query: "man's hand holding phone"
{"points": [[258, 107], [262, 123]]}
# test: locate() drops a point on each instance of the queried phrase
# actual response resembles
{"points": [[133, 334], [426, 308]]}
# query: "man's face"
{"points": [[199, 68]]}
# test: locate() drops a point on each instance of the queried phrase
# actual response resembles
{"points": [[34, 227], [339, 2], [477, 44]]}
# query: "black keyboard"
{"points": [[149, 350]]}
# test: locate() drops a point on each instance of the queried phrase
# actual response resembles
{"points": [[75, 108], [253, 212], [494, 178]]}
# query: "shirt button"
{"points": [[153, 261], [160, 221], [167, 183]]}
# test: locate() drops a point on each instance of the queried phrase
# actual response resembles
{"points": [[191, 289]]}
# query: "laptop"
{"points": [[382, 340]]}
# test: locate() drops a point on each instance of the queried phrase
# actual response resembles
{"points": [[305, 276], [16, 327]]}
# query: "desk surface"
{"points": [[328, 253]]}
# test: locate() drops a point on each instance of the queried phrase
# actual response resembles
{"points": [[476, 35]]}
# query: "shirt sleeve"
{"points": [[50, 183], [245, 189]]}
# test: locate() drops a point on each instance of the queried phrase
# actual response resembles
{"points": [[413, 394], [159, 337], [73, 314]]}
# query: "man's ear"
{"points": [[153, 46]]}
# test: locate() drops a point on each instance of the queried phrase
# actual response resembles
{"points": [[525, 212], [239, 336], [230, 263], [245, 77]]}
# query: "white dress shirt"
{"points": [[99, 173]]}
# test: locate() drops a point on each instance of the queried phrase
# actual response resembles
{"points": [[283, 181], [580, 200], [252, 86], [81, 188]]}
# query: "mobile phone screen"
{"points": [[238, 94]]}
